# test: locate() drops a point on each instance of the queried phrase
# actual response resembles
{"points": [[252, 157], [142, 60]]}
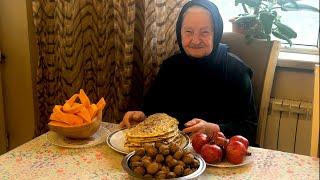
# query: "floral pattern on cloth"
{"points": [[39, 159]]}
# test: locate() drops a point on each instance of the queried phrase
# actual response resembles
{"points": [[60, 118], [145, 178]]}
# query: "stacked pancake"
{"points": [[158, 127]]}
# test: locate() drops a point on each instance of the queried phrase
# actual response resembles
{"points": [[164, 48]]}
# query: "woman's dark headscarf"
{"points": [[219, 51]]}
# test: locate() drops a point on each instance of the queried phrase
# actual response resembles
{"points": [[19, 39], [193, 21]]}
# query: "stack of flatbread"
{"points": [[158, 127]]}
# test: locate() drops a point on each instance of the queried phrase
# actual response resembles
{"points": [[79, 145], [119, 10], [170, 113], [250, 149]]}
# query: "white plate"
{"points": [[116, 141], [226, 164], [97, 138]]}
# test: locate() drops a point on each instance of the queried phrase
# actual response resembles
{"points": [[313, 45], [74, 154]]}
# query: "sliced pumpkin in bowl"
{"points": [[77, 119]]}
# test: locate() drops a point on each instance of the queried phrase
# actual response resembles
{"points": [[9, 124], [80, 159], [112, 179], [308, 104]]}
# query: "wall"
{"points": [[17, 71]]}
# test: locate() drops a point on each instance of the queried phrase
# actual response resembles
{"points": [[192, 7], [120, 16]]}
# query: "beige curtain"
{"points": [[110, 48], [159, 35]]}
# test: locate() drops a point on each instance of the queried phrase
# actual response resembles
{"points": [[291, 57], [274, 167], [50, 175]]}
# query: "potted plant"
{"points": [[261, 18]]}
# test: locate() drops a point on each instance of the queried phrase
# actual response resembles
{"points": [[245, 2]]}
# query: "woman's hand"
{"points": [[199, 125], [131, 118]]}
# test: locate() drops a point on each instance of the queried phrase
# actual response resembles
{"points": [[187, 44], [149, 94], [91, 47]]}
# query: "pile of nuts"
{"points": [[163, 161]]}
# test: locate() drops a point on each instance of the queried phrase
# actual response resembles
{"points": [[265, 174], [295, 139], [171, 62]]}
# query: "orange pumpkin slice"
{"points": [[84, 98], [93, 109], [72, 109], [101, 104], [67, 118], [84, 114], [57, 123]]}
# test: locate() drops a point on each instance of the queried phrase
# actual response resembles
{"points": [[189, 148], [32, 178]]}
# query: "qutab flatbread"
{"points": [[158, 127], [155, 125]]}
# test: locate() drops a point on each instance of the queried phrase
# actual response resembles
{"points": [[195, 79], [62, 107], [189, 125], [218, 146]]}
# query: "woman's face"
{"points": [[197, 32]]}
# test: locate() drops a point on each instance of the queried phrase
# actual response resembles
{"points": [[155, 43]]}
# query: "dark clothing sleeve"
{"points": [[242, 116]]}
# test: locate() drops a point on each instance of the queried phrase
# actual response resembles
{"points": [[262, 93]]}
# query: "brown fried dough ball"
{"points": [[140, 152], [188, 158], [164, 149], [139, 170], [136, 164], [165, 168], [146, 160], [171, 163], [178, 170], [178, 154], [171, 175], [161, 175], [187, 171], [152, 168], [195, 163], [159, 158], [168, 158], [152, 151], [174, 147], [182, 163]]}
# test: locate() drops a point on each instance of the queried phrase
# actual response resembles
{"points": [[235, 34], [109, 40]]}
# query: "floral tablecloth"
{"points": [[39, 159]]}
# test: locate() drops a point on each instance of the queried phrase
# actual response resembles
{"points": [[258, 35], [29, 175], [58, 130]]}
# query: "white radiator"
{"points": [[289, 126]]}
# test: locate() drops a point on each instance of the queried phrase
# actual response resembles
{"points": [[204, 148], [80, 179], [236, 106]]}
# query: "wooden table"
{"points": [[39, 159]]}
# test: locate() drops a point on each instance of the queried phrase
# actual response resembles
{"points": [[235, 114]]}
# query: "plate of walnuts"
{"points": [[163, 161]]}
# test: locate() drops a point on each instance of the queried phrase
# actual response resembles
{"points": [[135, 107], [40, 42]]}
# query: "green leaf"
{"points": [[251, 3], [284, 29], [267, 19], [282, 2], [261, 35], [245, 19], [298, 7], [255, 33], [282, 36]]}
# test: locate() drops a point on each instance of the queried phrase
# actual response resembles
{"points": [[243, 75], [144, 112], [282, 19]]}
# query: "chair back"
{"points": [[261, 56]]}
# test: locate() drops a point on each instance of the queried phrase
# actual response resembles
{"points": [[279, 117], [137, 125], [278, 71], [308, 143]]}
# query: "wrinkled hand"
{"points": [[131, 118], [198, 125]]}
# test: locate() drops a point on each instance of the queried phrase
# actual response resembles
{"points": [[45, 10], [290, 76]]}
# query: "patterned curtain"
{"points": [[109, 48], [160, 35]]}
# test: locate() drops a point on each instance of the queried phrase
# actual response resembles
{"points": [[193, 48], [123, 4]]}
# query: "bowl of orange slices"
{"points": [[77, 119]]}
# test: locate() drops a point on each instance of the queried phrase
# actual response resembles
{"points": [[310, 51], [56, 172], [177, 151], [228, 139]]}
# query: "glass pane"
{"points": [[305, 23]]}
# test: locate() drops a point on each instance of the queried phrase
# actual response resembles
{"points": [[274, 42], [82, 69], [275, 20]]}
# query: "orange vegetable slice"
{"points": [[72, 99], [57, 108], [67, 118], [84, 114], [84, 98], [101, 104], [72, 109], [93, 109], [57, 123]]}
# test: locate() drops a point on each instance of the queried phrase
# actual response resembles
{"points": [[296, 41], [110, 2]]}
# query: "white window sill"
{"points": [[297, 60]]}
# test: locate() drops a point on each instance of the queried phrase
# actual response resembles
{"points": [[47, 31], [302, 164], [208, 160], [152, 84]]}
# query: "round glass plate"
{"points": [[116, 141], [97, 138]]}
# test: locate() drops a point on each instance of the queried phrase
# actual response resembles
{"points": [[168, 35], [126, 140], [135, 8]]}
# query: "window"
{"points": [[305, 23]]}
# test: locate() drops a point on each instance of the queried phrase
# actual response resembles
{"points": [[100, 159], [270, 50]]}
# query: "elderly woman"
{"points": [[206, 88]]}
